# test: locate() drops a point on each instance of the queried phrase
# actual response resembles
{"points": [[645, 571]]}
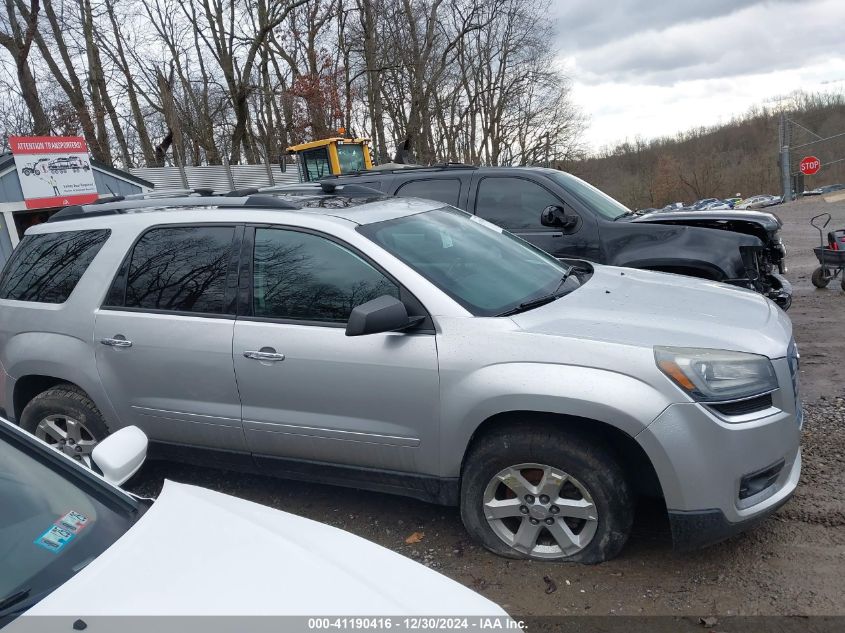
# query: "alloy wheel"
{"points": [[540, 511], [67, 435]]}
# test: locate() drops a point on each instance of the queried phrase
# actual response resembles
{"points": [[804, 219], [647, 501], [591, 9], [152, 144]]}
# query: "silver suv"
{"points": [[404, 346]]}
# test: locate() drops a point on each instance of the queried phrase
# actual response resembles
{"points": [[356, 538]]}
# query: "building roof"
{"points": [[7, 160]]}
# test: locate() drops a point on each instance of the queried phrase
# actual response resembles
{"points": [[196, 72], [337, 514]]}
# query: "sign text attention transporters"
{"points": [[54, 171]]}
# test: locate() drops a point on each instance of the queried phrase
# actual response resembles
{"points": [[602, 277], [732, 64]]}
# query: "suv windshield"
{"points": [[590, 196], [51, 525], [487, 270]]}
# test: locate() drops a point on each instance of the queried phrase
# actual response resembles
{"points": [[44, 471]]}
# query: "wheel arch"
{"points": [[28, 387], [632, 457], [37, 361]]}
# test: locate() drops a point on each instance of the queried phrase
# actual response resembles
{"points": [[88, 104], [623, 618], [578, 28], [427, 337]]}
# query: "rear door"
{"points": [[164, 336]]}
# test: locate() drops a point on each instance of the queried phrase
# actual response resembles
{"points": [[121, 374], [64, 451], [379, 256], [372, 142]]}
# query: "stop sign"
{"points": [[810, 165]]}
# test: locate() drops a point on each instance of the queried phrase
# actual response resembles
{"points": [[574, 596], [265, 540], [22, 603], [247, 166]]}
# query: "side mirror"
{"points": [[382, 314], [121, 454], [557, 217]]}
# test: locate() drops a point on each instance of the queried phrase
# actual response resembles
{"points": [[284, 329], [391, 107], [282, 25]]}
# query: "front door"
{"points": [[310, 392], [164, 337]]}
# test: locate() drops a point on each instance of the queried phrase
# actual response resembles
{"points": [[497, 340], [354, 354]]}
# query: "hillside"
{"points": [[721, 161]]}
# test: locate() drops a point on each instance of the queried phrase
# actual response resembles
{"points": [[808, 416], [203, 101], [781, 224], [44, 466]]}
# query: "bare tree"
{"points": [[18, 41]]}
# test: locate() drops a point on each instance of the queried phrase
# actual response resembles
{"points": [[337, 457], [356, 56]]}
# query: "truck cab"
{"points": [[334, 156]]}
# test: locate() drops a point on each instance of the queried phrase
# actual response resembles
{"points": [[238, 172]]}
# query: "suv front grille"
{"points": [[742, 407]]}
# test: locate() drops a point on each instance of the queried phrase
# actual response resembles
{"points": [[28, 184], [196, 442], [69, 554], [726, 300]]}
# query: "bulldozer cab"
{"points": [[331, 157]]}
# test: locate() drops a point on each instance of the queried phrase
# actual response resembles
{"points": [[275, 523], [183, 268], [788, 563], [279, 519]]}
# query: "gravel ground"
{"points": [[791, 564]]}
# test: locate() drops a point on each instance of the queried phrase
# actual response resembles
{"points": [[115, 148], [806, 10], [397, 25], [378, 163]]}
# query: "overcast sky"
{"points": [[656, 67]]}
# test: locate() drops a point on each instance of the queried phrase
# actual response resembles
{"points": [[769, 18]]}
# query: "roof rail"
{"points": [[401, 170], [120, 207], [169, 193], [324, 186]]}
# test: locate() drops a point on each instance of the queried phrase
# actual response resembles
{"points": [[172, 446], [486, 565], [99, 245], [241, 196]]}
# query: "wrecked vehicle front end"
{"points": [[763, 260]]}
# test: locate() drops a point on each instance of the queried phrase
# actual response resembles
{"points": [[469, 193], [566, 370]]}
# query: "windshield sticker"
{"points": [[62, 531], [55, 538], [73, 521]]}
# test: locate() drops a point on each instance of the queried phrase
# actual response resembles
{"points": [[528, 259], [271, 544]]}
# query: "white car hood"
{"points": [[199, 552], [644, 308]]}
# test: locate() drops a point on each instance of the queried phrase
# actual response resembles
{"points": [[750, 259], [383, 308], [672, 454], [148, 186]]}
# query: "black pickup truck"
{"points": [[571, 219]]}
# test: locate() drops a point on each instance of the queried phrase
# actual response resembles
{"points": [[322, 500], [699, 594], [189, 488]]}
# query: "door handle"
{"points": [[117, 341], [264, 356]]}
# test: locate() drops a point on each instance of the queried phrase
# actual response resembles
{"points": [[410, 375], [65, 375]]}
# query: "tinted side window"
{"points": [[513, 203], [180, 268], [307, 277], [444, 190], [47, 267]]}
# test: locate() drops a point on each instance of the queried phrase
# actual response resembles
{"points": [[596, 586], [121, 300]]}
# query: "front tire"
{"points": [[67, 419], [546, 494], [821, 277]]}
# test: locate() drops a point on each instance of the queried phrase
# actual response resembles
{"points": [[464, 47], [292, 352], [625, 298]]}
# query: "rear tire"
{"points": [[67, 419], [842, 281], [587, 518], [821, 277]]}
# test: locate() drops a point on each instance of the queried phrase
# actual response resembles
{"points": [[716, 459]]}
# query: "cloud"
{"points": [[620, 111], [590, 24], [658, 43]]}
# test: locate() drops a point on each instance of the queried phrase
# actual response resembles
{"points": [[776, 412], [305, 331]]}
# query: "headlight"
{"points": [[713, 375]]}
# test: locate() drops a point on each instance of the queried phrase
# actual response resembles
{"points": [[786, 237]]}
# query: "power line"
{"points": [[829, 138]]}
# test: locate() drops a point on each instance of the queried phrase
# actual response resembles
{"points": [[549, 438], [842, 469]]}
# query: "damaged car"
{"points": [[571, 219]]}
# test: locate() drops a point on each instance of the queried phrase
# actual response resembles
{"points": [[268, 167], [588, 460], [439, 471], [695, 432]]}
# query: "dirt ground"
{"points": [[792, 564]]}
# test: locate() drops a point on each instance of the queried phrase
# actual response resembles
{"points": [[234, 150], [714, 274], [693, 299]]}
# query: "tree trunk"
{"points": [[19, 43]]}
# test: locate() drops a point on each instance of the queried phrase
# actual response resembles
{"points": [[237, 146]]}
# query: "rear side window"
{"points": [[46, 267], [445, 190], [182, 269]]}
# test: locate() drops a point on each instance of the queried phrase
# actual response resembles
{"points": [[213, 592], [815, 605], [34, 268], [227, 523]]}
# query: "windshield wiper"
{"points": [[14, 598], [538, 301], [625, 215]]}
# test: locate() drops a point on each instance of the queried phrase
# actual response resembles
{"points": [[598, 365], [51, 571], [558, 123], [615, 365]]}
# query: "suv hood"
{"points": [[199, 552], [767, 221], [644, 308]]}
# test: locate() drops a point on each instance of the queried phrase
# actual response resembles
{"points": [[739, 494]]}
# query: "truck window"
{"points": [[351, 158], [46, 267], [445, 190], [315, 164], [513, 203]]}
